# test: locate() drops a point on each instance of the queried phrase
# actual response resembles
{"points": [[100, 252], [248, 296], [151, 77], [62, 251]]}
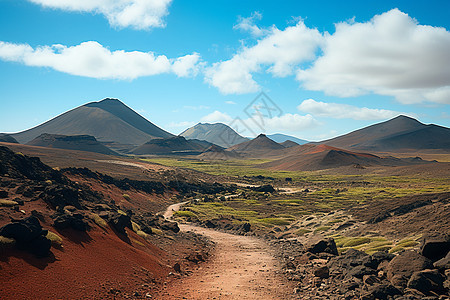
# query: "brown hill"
{"points": [[218, 153], [400, 133], [289, 144], [172, 146], [257, 147], [318, 157], [6, 138], [108, 120], [71, 142]]}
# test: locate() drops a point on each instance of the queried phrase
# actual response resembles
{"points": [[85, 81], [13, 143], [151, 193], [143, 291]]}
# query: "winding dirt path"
{"points": [[240, 267]]}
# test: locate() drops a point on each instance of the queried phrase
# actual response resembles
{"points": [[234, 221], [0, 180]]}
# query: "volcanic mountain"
{"points": [[400, 133], [108, 120], [289, 144], [259, 146], [6, 138], [217, 133], [218, 153], [173, 145], [71, 142], [318, 157]]}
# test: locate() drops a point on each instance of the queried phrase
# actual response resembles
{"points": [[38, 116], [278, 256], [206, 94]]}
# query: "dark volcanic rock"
{"points": [[322, 245], [3, 194], [435, 245], [119, 222], [402, 266], [168, 225], [322, 272], [381, 291], [360, 271], [29, 235], [59, 195], [443, 263], [427, 282], [66, 219], [347, 261]]}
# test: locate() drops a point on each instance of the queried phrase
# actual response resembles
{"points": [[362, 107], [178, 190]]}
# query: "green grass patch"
{"points": [[322, 228], [275, 221], [55, 239], [98, 220], [184, 214], [4, 202], [302, 231]]}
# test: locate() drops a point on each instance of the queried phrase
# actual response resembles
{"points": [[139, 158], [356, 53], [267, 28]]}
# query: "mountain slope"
{"points": [[259, 146], [106, 120], [281, 138], [6, 138], [398, 133], [217, 133], [74, 142], [173, 145]]}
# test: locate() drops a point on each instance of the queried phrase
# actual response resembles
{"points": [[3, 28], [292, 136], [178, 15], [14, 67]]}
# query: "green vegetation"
{"points": [[4, 202], [55, 239], [98, 220], [126, 197]]}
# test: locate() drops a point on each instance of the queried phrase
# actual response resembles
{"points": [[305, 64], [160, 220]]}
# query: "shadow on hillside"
{"points": [[37, 262], [76, 236]]}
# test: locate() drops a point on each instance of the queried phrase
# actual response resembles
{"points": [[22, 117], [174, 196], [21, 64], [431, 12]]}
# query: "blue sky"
{"points": [[328, 67]]}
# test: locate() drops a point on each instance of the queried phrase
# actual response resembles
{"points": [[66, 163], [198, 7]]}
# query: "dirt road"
{"points": [[240, 267]]}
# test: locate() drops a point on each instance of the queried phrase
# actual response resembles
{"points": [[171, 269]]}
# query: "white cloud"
{"points": [[248, 126], [248, 24], [90, 59], [389, 55], [138, 14], [345, 111], [217, 117], [199, 107], [278, 53], [230, 102]]}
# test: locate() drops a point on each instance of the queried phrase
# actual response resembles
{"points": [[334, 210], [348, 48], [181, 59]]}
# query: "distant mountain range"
{"points": [[107, 120], [400, 133], [110, 124], [318, 157], [217, 133]]}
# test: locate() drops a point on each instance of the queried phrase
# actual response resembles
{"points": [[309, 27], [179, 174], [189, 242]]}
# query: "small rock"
{"points": [[177, 267], [435, 245], [370, 279], [404, 265], [322, 272], [443, 263], [327, 245], [427, 282], [381, 291]]}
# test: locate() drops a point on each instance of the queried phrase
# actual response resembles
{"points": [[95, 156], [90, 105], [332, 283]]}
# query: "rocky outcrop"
{"points": [[29, 236]]}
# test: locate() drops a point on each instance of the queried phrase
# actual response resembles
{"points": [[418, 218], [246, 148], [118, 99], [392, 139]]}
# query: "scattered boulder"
{"points": [[246, 227], [168, 225], [360, 271], [443, 263], [427, 282], [29, 236], [209, 224], [327, 245], [347, 261], [402, 266], [435, 245], [177, 267], [66, 219], [381, 291], [119, 222], [61, 195]]}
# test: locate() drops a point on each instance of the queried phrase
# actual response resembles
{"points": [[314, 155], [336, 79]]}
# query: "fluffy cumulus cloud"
{"points": [[137, 14], [277, 53], [90, 59], [345, 111], [217, 117], [389, 55], [248, 24]]}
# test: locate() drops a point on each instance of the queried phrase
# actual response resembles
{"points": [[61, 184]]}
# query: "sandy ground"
{"points": [[240, 267]]}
